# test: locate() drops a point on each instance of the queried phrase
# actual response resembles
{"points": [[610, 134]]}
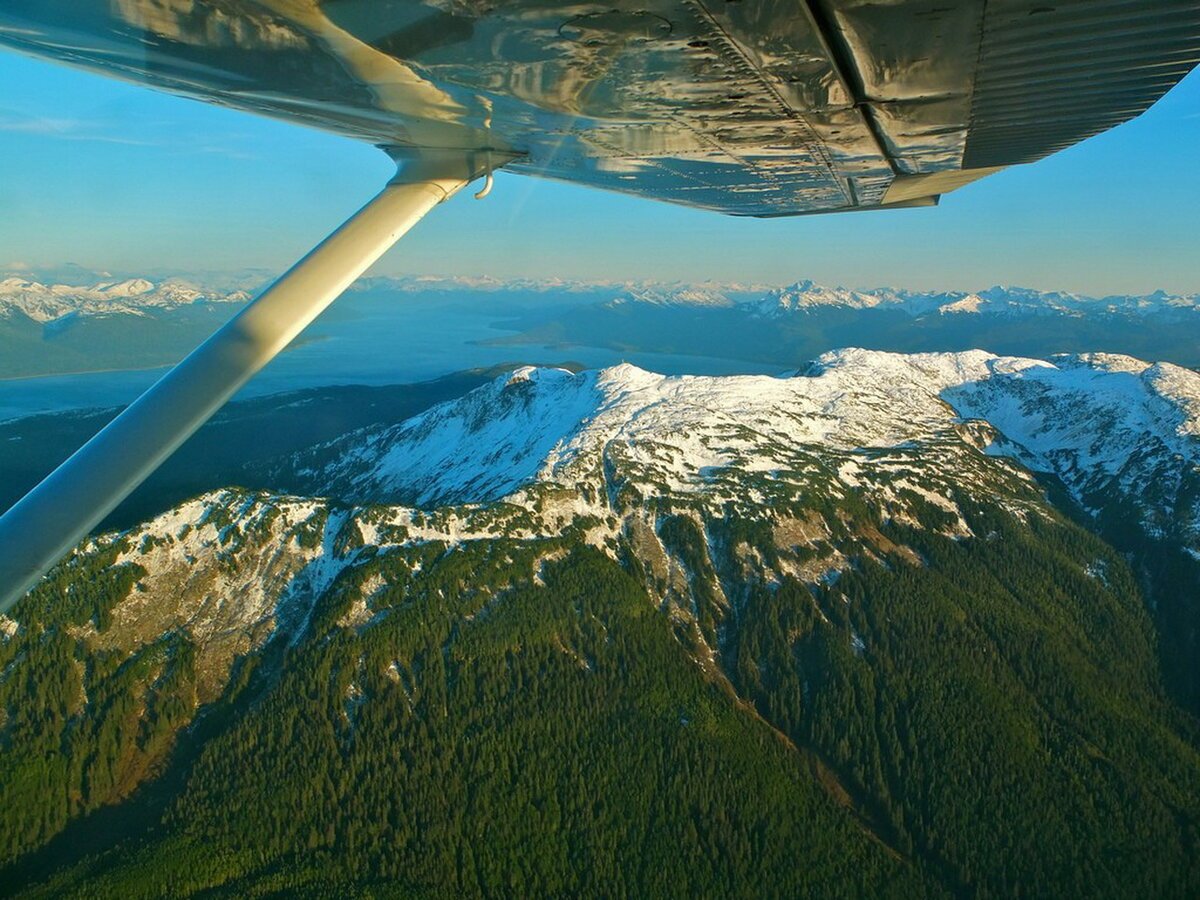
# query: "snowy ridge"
{"points": [[1106, 425], [48, 303], [807, 296], [1099, 422], [485, 444], [550, 425], [230, 569]]}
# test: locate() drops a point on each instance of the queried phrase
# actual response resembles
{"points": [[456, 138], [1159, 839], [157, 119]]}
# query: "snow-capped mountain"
{"points": [[826, 454], [45, 301], [848, 579], [807, 295], [136, 296], [824, 458], [715, 485], [1103, 424]]}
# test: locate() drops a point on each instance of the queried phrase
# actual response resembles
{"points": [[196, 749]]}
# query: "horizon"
{"points": [[43, 275]]}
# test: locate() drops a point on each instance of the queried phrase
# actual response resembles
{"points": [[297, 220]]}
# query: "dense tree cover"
{"points": [[1167, 573], [998, 709], [550, 739], [79, 727], [980, 716], [1170, 579]]}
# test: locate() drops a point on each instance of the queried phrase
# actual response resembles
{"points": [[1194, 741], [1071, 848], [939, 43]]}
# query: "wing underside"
{"points": [[754, 107]]}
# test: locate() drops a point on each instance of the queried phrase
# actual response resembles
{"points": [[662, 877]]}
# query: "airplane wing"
{"points": [[749, 107]]}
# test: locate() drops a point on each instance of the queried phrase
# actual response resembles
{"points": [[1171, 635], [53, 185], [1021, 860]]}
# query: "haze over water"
{"points": [[368, 338]]}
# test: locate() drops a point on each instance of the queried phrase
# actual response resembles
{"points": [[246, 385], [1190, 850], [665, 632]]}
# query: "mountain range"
{"points": [[889, 624], [781, 326], [133, 297], [111, 324], [53, 328], [999, 300]]}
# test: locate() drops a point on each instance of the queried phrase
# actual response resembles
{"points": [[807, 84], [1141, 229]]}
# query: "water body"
{"points": [[366, 339]]}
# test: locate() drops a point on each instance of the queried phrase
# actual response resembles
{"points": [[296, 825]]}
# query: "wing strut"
{"points": [[52, 518]]}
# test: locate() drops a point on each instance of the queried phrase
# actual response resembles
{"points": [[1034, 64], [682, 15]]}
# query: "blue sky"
{"points": [[114, 176]]}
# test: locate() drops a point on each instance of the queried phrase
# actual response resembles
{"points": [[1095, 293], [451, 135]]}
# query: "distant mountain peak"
{"points": [[675, 295], [46, 303], [133, 287]]}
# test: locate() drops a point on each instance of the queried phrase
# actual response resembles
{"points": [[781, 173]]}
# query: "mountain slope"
{"points": [[1121, 437], [805, 635], [1106, 425]]}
